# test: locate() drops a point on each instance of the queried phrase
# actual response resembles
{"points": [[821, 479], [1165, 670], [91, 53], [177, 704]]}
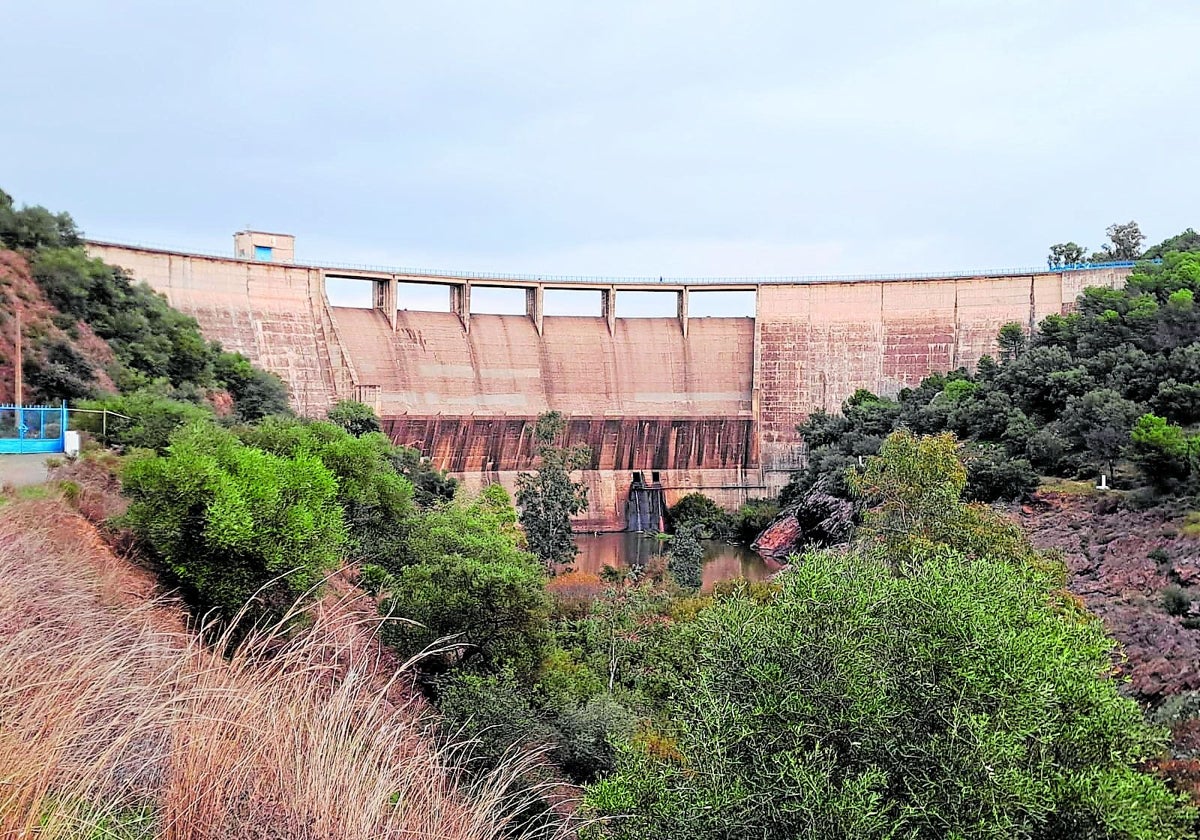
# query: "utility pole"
{"points": [[19, 372]]}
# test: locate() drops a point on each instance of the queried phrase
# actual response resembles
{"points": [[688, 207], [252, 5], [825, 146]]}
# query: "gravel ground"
{"points": [[23, 470]]}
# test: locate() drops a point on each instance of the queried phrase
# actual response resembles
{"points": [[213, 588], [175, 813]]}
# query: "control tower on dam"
{"points": [[690, 403]]}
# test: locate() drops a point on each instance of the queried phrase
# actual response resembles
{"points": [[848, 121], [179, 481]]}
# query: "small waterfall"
{"points": [[646, 508]]}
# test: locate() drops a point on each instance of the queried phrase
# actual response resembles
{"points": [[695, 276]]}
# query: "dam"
{"points": [[686, 403]]}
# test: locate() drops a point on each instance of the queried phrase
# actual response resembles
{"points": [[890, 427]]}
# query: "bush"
{"points": [[873, 705], [376, 500], [753, 517], [463, 577], [714, 522], [686, 564], [492, 713], [256, 393], [228, 520], [1176, 600], [355, 417], [152, 419], [993, 476], [589, 735], [431, 486]]}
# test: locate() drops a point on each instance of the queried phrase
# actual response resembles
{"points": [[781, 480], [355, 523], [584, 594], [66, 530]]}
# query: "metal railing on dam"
{"points": [[631, 280]]}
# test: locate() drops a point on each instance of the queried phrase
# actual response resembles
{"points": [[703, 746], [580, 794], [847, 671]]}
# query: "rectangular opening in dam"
{"points": [[353, 292], [721, 304], [585, 302], [647, 304], [423, 297], [497, 300]]}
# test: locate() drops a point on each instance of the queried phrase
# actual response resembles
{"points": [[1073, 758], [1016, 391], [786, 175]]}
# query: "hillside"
{"points": [[119, 723], [62, 354]]}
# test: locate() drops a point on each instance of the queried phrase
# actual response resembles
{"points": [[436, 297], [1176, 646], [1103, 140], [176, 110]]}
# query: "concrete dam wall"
{"points": [[708, 404]]}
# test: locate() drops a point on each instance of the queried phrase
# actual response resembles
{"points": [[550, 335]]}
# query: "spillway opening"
{"points": [[497, 300], [424, 297], [647, 304], [646, 508], [722, 304], [578, 302], [352, 292]]}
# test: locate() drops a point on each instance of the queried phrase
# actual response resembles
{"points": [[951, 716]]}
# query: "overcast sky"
{"points": [[644, 138]]}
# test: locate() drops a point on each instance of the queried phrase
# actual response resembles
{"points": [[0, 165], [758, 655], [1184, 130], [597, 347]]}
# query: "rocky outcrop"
{"points": [[816, 519], [1120, 562]]}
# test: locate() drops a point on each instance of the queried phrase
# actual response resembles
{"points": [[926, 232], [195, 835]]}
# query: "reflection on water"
{"points": [[622, 550]]}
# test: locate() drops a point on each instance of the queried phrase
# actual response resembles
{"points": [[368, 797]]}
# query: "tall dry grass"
{"points": [[116, 722]]}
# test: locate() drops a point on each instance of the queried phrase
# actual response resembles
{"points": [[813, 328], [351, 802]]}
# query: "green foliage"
{"points": [[687, 557], [355, 417], [1065, 399], [753, 518], [696, 509], [431, 486], [463, 577], [228, 520], [1189, 240], [493, 712], [152, 419], [156, 347], [31, 228], [1012, 342], [1176, 600], [548, 498], [992, 475], [1066, 253], [375, 499], [1162, 450], [930, 684], [256, 393], [150, 339], [588, 736], [1124, 243]]}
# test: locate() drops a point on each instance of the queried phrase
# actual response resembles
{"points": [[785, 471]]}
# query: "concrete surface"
{"points": [[24, 470], [712, 403]]}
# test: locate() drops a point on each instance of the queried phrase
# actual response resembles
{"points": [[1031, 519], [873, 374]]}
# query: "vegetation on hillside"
{"points": [[157, 352], [1116, 381], [118, 724], [932, 679]]}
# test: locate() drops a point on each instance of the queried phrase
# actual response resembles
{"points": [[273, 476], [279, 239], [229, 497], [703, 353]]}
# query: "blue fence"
{"points": [[33, 428]]}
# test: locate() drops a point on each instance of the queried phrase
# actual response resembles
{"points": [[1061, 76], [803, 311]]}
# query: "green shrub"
{"points": [[355, 417], [148, 422], [753, 518], [875, 705], [1176, 600], [463, 578], [931, 680], [697, 509], [589, 736], [228, 521], [256, 393], [375, 499], [686, 563], [430, 486], [994, 476], [493, 713], [374, 580]]}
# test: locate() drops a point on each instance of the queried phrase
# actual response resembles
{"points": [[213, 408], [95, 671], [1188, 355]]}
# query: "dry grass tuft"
{"points": [[116, 722]]}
